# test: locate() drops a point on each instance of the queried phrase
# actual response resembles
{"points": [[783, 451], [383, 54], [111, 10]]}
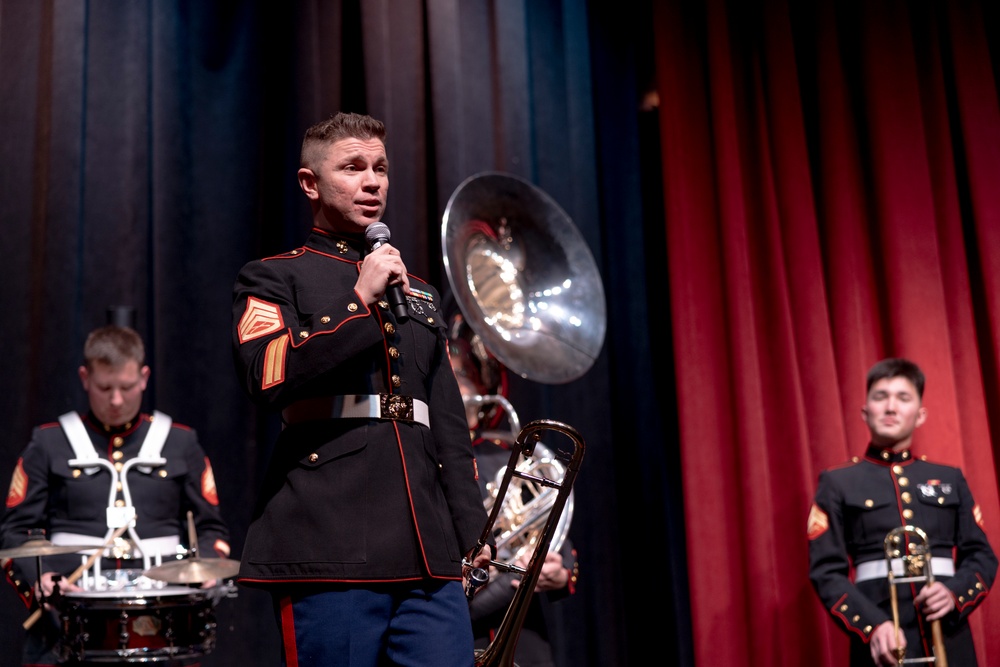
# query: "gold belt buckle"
{"points": [[394, 406]]}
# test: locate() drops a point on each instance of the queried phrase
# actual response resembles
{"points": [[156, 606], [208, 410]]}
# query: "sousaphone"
{"points": [[523, 277], [528, 287]]}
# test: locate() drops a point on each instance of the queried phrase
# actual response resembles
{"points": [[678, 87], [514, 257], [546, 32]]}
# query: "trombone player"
{"points": [[479, 373], [859, 502]]}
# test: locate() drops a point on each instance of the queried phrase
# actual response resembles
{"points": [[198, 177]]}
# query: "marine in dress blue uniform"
{"points": [[858, 503], [47, 493], [380, 498]]}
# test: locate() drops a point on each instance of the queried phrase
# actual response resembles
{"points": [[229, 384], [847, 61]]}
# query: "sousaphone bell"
{"points": [[524, 278]]}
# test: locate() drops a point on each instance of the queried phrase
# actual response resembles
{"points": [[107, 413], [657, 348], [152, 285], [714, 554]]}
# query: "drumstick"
{"points": [[35, 615]]}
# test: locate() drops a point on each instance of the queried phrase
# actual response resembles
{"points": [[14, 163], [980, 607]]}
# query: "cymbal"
{"points": [[44, 548], [194, 570]]}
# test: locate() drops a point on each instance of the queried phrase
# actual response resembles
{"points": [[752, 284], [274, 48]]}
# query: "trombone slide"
{"points": [[910, 544], [500, 652]]}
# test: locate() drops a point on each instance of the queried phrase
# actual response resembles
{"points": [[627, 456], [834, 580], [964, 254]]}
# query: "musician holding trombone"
{"points": [[857, 504], [480, 375]]}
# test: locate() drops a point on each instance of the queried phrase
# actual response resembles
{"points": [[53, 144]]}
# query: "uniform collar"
{"points": [[127, 427], [346, 246], [887, 456]]}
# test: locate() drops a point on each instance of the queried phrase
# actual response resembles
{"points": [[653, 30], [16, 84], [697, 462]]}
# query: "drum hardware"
{"points": [[35, 615], [500, 652], [150, 620], [910, 545], [42, 547], [168, 624], [194, 570]]}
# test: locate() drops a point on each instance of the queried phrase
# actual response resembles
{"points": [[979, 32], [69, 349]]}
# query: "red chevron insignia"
{"points": [[259, 319]]}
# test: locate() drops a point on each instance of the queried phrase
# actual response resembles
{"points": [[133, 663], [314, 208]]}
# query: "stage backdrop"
{"points": [[775, 195], [830, 193]]}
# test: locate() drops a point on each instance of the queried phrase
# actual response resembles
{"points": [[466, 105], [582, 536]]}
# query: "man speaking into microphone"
{"points": [[370, 500]]}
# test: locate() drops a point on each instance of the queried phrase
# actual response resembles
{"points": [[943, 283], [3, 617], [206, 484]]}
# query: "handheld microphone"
{"points": [[376, 234]]}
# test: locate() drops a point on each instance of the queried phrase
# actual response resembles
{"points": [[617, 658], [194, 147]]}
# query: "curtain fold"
{"points": [[824, 187]]}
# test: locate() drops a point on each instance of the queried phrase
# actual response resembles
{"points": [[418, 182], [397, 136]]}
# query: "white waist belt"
{"points": [[879, 569], [359, 406], [383, 406]]}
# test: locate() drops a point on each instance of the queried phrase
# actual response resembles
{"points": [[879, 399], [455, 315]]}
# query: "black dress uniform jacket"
{"points": [[45, 492], [351, 499], [856, 506]]}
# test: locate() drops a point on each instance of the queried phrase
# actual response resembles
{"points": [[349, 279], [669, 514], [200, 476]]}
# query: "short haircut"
{"points": [[339, 126], [113, 346], [896, 367]]}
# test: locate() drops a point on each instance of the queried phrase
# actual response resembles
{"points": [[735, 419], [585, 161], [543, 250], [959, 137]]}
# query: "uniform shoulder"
{"points": [[259, 263], [174, 424], [938, 468], [295, 253], [940, 464], [843, 466]]}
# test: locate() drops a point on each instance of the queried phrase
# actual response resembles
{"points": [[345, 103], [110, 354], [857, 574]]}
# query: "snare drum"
{"points": [[157, 625]]}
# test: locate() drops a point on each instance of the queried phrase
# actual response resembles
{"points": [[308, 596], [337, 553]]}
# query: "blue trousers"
{"points": [[415, 624]]}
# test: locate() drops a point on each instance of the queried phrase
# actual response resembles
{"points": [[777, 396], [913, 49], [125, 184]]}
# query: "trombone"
{"points": [[500, 652], [524, 509], [910, 545]]}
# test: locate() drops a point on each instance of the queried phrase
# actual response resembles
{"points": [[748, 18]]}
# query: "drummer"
{"points": [[73, 468]]}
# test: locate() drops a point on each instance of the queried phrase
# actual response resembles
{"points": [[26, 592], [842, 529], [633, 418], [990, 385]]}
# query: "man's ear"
{"points": [[144, 376], [84, 376], [307, 181], [921, 415]]}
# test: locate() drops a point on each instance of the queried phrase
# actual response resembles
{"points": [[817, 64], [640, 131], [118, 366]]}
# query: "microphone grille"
{"points": [[377, 231]]}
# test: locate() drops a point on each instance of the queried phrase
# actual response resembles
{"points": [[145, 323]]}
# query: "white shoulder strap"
{"points": [[79, 440], [159, 429]]}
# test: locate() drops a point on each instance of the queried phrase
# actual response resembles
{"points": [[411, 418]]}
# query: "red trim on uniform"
{"points": [[18, 485], [24, 592], [288, 633], [843, 619], [973, 600], [406, 481]]}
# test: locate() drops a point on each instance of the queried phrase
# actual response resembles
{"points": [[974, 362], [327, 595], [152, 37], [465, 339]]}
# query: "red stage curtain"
{"points": [[830, 194]]}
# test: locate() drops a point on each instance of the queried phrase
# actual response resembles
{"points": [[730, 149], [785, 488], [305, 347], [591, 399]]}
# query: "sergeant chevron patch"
{"points": [[18, 485], [274, 362], [208, 489], [259, 319], [818, 522]]}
